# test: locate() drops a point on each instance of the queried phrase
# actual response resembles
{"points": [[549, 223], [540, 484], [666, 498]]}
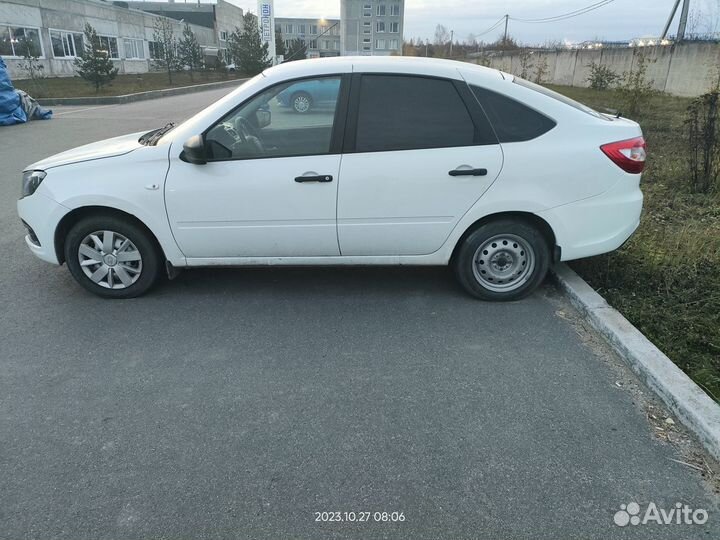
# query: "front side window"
{"points": [[290, 119], [301, 28], [513, 121], [395, 9], [381, 10], [394, 27], [404, 113], [313, 29], [380, 27], [380, 44]]}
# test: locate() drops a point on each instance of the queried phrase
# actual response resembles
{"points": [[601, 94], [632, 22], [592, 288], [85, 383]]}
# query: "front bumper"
{"points": [[42, 215]]}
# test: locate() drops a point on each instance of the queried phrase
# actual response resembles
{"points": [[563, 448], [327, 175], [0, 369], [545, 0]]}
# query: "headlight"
{"points": [[31, 181]]}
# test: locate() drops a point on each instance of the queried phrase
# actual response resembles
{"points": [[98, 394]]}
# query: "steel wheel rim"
{"points": [[301, 104], [110, 259], [504, 263]]}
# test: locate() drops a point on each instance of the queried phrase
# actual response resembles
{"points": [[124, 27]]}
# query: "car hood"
{"points": [[97, 150]]}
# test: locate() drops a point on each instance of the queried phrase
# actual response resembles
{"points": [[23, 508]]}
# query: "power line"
{"points": [[493, 27], [568, 15]]}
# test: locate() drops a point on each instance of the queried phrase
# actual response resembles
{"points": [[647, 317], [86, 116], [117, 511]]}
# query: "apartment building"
{"points": [[322, 36], [371, 27]]}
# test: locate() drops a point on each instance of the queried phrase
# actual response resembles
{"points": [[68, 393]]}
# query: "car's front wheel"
{"points": [[301, 102], [502, 260], [112, 257]]}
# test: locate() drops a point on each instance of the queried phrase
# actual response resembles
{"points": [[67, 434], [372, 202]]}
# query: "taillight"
{"points": [[629, 155]]}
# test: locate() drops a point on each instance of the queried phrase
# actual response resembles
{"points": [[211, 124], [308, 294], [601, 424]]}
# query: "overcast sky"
{"points": [[621, 19]]}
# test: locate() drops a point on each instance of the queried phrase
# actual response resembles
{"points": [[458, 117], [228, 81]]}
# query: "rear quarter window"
{"points": [[512, 120]]}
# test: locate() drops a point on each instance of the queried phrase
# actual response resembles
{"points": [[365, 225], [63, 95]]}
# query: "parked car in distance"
{"points": [[411, 161], [304, 96]]}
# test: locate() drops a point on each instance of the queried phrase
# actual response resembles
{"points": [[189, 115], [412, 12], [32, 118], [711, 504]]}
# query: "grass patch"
{"points": [[666, 279], [61, 87]]}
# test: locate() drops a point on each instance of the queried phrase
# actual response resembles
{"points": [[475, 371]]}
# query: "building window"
{"points": [[288, 28], [380, 26], [394, 27], [381, 10], [278, 28], [367, 13], [367, 6], [19, 41], [156, 50], [134, 48], [326, 44], [366, 40], [313, 43], [395, 9], [380, 44], [313, 29], [301, 28], [366, 47], [223, 35], [109, 46], [66, 44], [367, 30], [393, 44]]}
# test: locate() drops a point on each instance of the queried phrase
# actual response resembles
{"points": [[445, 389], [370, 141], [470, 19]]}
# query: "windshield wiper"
{"points": [[152, 137]]}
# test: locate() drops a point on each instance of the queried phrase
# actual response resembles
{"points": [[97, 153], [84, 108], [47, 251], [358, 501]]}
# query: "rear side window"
{"points": [[513, 121], [403, 113]]}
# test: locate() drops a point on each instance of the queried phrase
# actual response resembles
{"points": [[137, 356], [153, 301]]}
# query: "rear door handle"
{"points": [[468, 172], [316, 178]]}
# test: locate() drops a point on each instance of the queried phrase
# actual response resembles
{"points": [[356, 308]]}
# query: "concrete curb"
{"points": [[139, 96], [693, 407]]}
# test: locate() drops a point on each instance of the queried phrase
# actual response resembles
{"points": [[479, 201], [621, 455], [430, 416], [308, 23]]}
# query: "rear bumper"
{"points": [[42, 215], [598, 224]]}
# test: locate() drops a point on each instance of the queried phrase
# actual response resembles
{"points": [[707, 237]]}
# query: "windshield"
{"points": [[555, 95]]}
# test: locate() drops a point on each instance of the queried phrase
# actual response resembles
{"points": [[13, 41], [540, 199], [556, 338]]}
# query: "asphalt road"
{"points": [[237, 403]]}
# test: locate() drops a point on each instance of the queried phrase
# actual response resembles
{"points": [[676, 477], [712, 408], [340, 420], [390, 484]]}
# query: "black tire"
{"points": [[529, 255], [151, 255], [301, 95]]}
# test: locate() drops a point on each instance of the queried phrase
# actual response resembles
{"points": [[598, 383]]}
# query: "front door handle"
{"points": [[468, 172], [316, 178]]}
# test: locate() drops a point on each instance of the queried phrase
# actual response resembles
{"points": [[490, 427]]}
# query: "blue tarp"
{"points": [[11, 111]]}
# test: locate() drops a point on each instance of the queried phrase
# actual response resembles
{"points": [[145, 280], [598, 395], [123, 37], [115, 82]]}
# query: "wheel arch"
{"points": [[75, 215], [528, 217]]}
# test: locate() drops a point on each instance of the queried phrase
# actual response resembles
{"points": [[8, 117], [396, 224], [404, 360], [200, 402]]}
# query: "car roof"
{"points": [[434, 67]]}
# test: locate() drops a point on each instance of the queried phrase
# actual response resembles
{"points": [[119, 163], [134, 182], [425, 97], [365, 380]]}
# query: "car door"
{"points": [[419, 154], [269, 188]]}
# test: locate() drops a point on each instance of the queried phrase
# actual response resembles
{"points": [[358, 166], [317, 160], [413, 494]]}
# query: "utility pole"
{"points": [[452, 33], [683, 20], [506, 21], [670, 19]]}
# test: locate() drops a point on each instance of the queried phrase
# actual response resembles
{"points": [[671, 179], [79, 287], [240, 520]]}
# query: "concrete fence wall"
{"points": [[686, 69]]}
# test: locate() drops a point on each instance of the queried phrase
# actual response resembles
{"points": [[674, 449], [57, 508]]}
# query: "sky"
{"points": [[619, 20]]}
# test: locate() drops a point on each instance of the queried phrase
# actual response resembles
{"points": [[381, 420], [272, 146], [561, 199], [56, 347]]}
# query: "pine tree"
{"points": [[94, 64], [167, 47], [189, 51], [248, 50]]}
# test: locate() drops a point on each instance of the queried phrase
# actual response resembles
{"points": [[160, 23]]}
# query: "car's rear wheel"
{"points": [[112, 257], [502, 260], [301, 102]]}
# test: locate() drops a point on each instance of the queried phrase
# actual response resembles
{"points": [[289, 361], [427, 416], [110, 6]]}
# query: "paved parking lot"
{"points": [[237, 403]]}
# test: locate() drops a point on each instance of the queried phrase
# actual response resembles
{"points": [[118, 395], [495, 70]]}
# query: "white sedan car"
{"points": [[405, 161]]}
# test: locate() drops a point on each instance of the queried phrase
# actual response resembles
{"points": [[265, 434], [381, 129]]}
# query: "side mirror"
{"points": [[194, 151], [263, 117]]}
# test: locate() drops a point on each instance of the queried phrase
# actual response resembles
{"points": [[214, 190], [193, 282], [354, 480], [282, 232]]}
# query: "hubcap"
{"points": [[110, 259], [504, 263], [301, 104]]}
